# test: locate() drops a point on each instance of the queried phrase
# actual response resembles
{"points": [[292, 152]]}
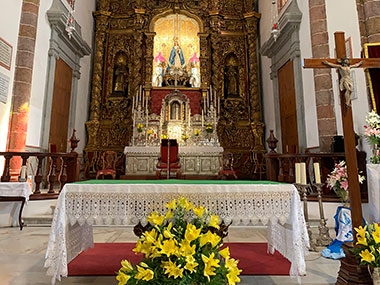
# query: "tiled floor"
{"points": [[22, 257]]}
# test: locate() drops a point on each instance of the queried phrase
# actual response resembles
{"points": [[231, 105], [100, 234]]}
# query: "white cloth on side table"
{"points": [[15, 189], [373, 180], [80, 205]]}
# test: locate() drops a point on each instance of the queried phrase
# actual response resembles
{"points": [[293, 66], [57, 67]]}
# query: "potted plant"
{"points": [[368, 252], [181, 247]]}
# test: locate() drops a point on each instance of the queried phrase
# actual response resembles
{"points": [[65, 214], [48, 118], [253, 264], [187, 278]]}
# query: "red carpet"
{"points": [[104, 259]]}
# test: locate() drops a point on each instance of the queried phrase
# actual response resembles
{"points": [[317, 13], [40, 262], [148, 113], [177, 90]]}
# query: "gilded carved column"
{"points": [[138, 36], [101, 19], [204, 58], [149, 59], [217, 68], [256, 121]]}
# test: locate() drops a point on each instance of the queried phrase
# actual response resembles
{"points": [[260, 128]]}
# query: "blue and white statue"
{"points": [[343, 228], [176, 59]]}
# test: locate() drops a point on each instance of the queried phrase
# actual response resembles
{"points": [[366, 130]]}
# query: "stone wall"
{"points": [[369, 20], [324, 95]]}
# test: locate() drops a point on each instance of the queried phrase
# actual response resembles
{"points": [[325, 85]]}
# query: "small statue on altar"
{"points": [[346, 83], [194, 76], [231, 81], [176, 59], [158, 76], [121, 75]]}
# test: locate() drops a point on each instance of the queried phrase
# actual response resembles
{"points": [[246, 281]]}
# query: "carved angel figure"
{"points": [[345, 73]]}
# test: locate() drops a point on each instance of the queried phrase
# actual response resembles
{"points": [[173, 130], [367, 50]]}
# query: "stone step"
{"points": [[43, 220]]}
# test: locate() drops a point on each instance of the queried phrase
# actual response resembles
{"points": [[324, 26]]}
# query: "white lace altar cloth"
{"points": [[80, 205]]}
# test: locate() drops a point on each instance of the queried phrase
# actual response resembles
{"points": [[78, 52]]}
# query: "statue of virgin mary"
{"points": [[176, 59]]}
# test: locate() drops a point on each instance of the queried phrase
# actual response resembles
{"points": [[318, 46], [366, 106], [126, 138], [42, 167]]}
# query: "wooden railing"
{"points": [[51, 169], [281, 168]]}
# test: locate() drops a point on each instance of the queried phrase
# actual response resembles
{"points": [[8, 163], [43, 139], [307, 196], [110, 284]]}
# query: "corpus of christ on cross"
{"points": [[344, 65]]}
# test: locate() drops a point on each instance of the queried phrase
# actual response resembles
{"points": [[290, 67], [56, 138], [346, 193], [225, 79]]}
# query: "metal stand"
{"points": [[302, 190], [324, 238]]}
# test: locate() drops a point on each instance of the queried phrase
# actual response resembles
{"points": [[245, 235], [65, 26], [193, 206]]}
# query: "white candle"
{"points": [[143, 99], [204, 103], [303, 173], [215, 99], [317, 173], [133, 103], [202, 118], [298, 173], [218, 106], [208, 101]]}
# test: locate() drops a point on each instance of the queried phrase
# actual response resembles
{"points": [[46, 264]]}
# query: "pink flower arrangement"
{"points": [[372, 133], [338, 181]]}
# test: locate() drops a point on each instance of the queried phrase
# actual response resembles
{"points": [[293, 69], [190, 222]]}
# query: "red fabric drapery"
{"points": [[159, 94]]}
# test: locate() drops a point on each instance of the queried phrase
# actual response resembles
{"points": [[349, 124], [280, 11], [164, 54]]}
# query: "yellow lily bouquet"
{"points": [[209, 128], [180, 252], [369, 240], [140, 127]]}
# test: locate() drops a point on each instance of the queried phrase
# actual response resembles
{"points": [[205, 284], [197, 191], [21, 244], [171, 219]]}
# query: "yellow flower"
{"points": [[361, 240], [164, 137], [191, 263], [376, 235], [149, 132], [231, 263], [191, 232], [172, 269], [367, 256], [210, 265], [167, 232], [232, 276], [184, 203], [214, 221], [122, 278], [126, 265], [196, 132], [169, 215], [156, 219], [214, 239], [361, 231], [150, 237], [142, 247], [144, 274], [171, 205], [225, 252], [169, 247], [186, 249], [199, 211]]}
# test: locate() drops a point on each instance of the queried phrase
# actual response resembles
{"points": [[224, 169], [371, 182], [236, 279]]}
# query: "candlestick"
{"points": [[208, 101], [317, 173], [298, 173], [143, 98], [202, 118], [214, 99], [303, 173], [133, 103], [204, 103], [218, 106]]}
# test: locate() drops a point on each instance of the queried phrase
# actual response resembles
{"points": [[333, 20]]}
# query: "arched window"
{"points": [[175, 111]]}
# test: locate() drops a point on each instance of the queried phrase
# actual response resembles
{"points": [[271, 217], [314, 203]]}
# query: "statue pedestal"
{"points": [[195, 160]]}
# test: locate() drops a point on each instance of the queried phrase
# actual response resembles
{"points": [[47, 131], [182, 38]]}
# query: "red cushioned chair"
{"points": [[168, 162], [227, 164], [109, 164]]}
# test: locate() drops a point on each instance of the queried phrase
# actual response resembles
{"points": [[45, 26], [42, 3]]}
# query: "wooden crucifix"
{"points": [[344, 65]]}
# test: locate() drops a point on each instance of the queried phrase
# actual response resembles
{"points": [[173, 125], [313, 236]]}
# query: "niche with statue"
{"points": [[231, 77], [121, 76]]}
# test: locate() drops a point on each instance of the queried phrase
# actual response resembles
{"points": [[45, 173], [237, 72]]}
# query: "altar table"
{"points": [[80, 205], [195, 160]]}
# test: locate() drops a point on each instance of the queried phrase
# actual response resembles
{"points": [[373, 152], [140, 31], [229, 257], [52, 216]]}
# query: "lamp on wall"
{"points": [[275, 31]]}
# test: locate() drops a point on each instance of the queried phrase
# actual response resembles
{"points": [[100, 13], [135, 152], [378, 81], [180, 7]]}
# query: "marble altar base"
{"points": [[195, 160]]}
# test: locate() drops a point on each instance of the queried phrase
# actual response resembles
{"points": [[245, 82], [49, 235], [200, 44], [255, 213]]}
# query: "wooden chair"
{"points": [[168, 162], [227, 167], [109, 159]]}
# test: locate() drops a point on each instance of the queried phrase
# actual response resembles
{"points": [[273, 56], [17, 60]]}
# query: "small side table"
{"points": [[13, 192]]}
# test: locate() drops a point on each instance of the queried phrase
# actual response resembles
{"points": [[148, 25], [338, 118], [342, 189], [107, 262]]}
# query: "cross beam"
{"points": [[348, 126]]}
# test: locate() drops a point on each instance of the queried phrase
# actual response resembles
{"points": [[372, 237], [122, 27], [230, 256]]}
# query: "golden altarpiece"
{"points": [[173, 68]]}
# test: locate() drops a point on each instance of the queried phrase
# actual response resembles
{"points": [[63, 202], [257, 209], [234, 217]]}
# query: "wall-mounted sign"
{"points": [[4, 85], [5, 54]]}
